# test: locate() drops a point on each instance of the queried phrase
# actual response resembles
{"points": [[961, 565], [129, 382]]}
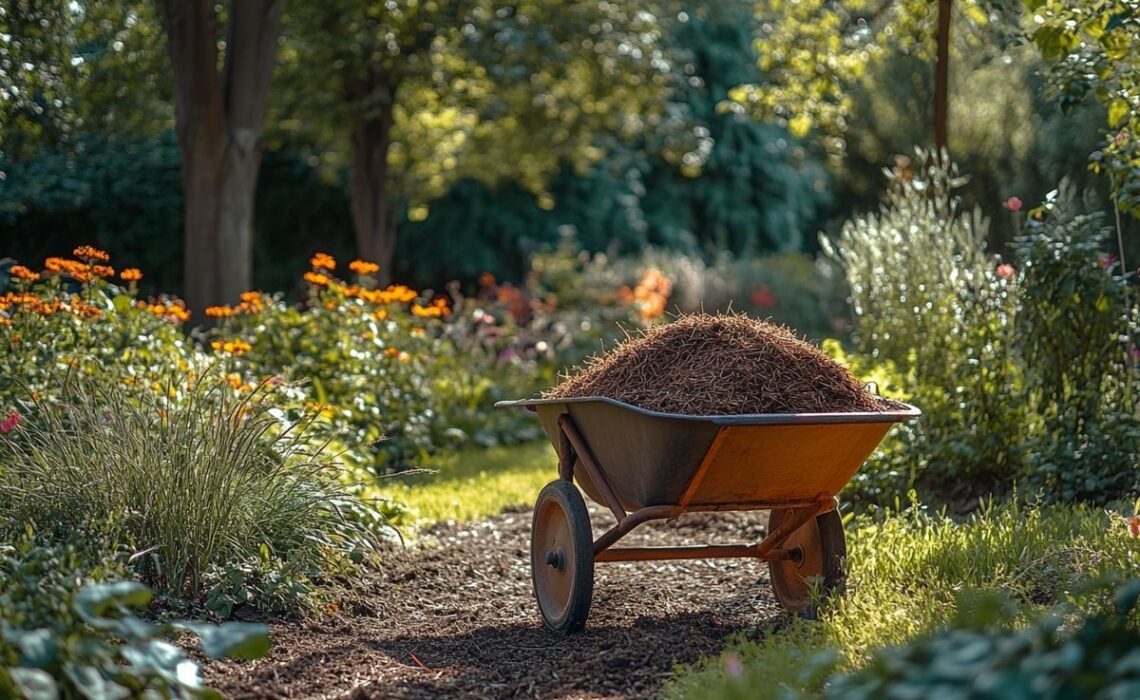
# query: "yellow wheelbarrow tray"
{"points": [[646, 465]]}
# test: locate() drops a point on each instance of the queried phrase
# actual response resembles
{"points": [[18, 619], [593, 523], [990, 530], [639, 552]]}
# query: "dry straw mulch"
{"points": [[725, 364]]}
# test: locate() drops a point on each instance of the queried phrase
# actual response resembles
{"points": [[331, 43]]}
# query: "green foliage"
{"points": [[190, 474], [813, 55], [910, 572], [1090, 48], [931, 301], [1049, 659], [69, 629], [750, 188], [457, 80], [1079, 369]]}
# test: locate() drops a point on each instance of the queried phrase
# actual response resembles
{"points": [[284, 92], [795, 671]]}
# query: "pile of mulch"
{"points": [[706, 365], [456, 618]]}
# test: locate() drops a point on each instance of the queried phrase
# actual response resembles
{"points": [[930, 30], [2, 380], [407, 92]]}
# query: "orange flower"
{"points": [[391, 352], [380, 314], [5, 321], [487, 279], [253, 298], [55, 264], [103, 270], [90, 253], [219, 311], [323, 261], [316, 279], [21, 272], [236, 346], [417, 331], [131, 274], [363, 267], [174, 311], [426, 311]]}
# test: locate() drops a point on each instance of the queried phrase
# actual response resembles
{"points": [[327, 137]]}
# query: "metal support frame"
{"points": [[573, 449]]}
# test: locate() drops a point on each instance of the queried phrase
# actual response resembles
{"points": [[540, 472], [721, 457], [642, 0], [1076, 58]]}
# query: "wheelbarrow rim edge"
{"points": [[898, 416]]}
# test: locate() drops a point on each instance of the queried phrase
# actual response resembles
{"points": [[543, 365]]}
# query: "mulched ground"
{"points": [[455, 617]]}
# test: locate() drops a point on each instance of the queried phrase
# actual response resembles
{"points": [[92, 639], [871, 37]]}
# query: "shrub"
{"points": [[1094, 658], [391, 381], [69, 629], [1076, 333], [192, 474], [928, 299]]}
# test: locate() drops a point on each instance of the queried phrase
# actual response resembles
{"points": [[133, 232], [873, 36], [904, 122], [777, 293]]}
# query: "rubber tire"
{"points": [[562, 499], [825, 547]]}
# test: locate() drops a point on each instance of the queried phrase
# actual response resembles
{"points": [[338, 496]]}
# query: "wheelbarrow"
{"points": [[644, 466]]}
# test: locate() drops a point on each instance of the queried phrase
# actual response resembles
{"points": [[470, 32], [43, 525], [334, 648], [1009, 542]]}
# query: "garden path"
{"points": [[455, 617]]}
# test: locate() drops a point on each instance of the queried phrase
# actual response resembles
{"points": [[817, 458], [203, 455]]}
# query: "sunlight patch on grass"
{"points": [[470, 484]]}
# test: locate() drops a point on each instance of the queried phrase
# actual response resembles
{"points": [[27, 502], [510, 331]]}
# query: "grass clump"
{"points": [[195, 477], [910, 573]]}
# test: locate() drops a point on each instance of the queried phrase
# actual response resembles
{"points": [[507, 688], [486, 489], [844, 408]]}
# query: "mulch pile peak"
{"points": [[723, 364]]}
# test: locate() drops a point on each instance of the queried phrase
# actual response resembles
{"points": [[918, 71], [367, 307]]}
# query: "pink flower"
{"points": [[9, 424], [1006, 271], [1106, 261], [1013, 204], [732, 666]]}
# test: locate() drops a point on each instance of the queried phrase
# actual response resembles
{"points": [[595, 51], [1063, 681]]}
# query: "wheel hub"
{"points": [[556, 559]]}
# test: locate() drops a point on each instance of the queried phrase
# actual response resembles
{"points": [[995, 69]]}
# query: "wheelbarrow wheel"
{"points": [[819, 549], [562, 557]]}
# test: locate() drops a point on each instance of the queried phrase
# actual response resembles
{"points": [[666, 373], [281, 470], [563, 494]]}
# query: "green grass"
{"points": [[471, 484], [908, 572]]}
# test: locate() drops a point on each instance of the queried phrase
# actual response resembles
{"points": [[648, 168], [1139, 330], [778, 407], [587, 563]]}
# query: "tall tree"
{"points": [[219, 116], [424, 92]]}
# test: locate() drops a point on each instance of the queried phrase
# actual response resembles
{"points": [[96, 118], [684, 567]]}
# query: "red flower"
{"points": [[1134, 525], [9, 424], [763, 298], [1013, 204], [1006, 271], [1106, 261]]}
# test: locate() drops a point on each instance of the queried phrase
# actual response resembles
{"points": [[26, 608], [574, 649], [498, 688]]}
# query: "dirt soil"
{"points": [[455, 617]]}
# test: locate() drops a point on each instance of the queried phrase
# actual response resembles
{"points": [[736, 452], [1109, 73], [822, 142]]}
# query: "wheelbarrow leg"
{"points": [[584, 456]]}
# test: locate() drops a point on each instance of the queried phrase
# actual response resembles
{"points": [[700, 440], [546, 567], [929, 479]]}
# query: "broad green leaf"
{"points": [[37, 647], [93, 685], [34, 683], [122, 303], [232, 640], [1117, 112], [94, 601]]}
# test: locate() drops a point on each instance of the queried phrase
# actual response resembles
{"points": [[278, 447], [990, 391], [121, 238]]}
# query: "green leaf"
{"points": [[34, 683], [37, 647], [1117, 112], [232, 640], [122, 303], [94, 601], [93, 685]]}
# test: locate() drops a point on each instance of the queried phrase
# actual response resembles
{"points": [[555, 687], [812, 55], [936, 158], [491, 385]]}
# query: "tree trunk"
{"points": [[372, 221], [218, 119], [942, 78]]}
